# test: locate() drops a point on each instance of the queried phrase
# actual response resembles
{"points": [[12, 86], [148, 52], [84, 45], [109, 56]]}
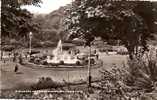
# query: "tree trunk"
{"points": [[131, 51], [1, 54]]}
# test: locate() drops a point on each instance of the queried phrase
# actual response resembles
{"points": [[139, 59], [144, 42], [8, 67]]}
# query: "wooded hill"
{"points": [[51, 26]]}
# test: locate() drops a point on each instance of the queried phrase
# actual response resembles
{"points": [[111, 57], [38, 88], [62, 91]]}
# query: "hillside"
{"points": [[51, 25]]}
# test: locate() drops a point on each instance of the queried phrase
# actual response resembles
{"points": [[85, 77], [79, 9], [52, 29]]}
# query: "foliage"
{"points": [[142, 75], [17, 22], [133, 81], [51, 27], [132, 22], [44, 82], [112, 84]]}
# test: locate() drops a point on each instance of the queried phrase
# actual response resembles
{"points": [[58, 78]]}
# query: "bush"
{"points": [[45, 82], [142, 74], [132, 81]]}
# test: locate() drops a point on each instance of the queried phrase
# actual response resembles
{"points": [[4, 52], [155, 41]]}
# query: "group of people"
{"points": [[15, 57]]}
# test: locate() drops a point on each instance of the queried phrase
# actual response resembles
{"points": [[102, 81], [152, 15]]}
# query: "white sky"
{"points": [[47, 6]]}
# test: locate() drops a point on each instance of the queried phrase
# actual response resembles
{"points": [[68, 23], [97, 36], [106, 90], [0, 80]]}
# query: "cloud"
{"points": [[47, 6]]}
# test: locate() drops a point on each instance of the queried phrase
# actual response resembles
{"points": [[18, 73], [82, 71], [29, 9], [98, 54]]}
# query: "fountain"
{"points": [[62, 57]]}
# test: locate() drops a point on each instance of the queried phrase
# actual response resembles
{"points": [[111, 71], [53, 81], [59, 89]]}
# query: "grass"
{"points": [[29, 76]]}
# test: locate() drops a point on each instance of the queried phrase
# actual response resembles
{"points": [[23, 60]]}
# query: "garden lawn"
{"points": [[27, 76]]}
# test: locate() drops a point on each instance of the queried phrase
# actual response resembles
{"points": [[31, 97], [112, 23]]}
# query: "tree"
{"points": [[132, 22], [17, 22], [51, 27]]}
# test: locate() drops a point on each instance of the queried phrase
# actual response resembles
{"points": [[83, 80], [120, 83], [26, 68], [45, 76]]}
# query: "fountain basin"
{"points": [[63, 66]]}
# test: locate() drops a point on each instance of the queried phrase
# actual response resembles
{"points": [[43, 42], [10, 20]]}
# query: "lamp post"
{"points": [[72, 2], [30, 41], [89, 67]]}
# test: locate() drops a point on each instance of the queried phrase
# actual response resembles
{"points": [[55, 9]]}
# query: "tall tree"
{"points": [[132, 22], [17, 22]]}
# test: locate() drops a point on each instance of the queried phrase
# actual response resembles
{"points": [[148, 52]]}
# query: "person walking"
{"points": [[16, 68]]}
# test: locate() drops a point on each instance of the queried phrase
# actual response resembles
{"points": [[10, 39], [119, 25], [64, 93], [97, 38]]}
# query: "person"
{"points": [[78, 51], [25, 56], [20, 59], [9, 56], [107, 52], [4, 60], [156, 52], [16, 68], [96, 54], [14, 57]]}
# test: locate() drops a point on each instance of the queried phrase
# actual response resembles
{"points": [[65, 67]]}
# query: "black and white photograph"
{"points": [[78, 50]]}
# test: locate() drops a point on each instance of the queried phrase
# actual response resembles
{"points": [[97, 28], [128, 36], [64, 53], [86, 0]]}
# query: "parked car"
{"points": [[33, 52]]}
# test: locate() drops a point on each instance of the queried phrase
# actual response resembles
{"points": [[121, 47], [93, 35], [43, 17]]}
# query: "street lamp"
{"points": [[89, 67], [30, 41]]}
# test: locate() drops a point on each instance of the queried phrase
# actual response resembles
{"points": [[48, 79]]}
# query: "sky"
{"points": [[48, 6]]}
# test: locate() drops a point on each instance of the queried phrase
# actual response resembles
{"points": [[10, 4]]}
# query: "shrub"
{"points": [[132, 81], [45, 82], [142, 74]]}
